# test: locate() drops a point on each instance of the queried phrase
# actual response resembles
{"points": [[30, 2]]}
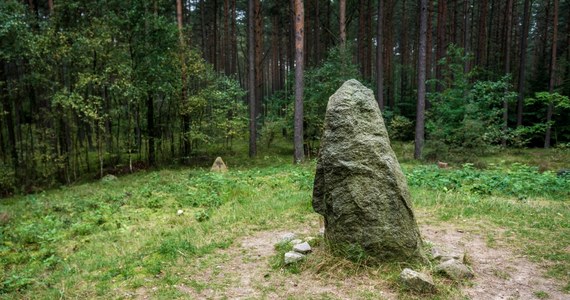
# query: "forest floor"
{"points": [[123, 238]]}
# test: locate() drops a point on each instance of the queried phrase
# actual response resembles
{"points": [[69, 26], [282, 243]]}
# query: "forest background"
{"points": [[96, 87]]}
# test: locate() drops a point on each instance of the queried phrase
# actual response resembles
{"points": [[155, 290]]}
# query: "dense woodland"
{"points": [[97, 86]]}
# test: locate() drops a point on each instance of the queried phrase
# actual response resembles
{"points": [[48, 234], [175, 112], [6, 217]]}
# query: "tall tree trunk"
{"points": [[215, 57], [509, 19], [388, 51], [552, 75], [183, 95], [7, 107], [466, 33], [342, 23], [420, 110], [480, 57], [361, 36], [317, 37], [404, 54], [226, 57], [379, 56], [298, 122], [441, 41], [522, 67], [251, 79], [258, 31], [429, 43], [150, 129]]}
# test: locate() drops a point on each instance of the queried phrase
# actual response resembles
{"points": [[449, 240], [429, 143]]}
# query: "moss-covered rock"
{"points": [[359, 186]]}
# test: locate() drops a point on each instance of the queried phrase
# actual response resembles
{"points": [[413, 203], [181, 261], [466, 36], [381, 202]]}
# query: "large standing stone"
{"points": [[359, 186]]}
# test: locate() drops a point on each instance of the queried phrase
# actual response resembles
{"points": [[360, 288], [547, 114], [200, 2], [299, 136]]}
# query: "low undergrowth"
{"points": [[515, 180], [111, 239]]}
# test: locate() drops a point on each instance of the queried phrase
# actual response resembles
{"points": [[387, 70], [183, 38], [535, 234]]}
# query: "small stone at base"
{"points": [[293, 257]]}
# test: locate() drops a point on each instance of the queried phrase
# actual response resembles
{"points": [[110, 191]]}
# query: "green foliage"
{"points": [[465, 115], [399, 127], [320, 83], [518, 181]]}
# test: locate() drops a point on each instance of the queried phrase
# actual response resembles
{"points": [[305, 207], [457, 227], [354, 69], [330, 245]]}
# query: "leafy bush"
{"points": [[518, 180], [400, 128], [465, 114]]}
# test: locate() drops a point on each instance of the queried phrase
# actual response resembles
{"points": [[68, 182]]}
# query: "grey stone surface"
{"points": [[287, 237], [108, 178], [359, 186], [219, 166], [417, 281], [443, 255], [293, 257], [454, 269], [295, 241], [302, 248]]}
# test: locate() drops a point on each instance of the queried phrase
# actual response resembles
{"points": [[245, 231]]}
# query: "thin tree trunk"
{"points": [[404, 54], [441, 41], [379, 56], [150, 129], [7, 107], [258, 62], [361, 36], [251, 80], [509, 20], [466, 32], [388, 51], [342, 23], [429, 43], [233, 55], [298, 122], [552, 75], [420, 112], [522, 67], [482, 36]]}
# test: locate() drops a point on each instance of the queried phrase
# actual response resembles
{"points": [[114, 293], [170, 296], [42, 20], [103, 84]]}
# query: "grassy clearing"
{"points": [[112, 239]]}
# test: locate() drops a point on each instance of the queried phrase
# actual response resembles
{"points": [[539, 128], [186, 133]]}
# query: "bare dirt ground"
{"points": [[500, 274], [243, 272]]}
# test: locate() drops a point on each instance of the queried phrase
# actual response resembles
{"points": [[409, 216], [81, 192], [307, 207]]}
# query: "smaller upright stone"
{"points": [[302, 248], [219, 166], [416, 281], [454, 269], [109, 178], [293, 257]]}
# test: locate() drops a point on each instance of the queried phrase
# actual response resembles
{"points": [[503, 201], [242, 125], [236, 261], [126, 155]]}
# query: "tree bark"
{"points": [[342, 24], [388, 52], [509, 19], [150, 129], [552, 75], [298, 122], [522, 66], [420, 112], [251, 80], [482, 36], [441, 41], [379, 56], [404, 54], [7, 107], [258, 61]]}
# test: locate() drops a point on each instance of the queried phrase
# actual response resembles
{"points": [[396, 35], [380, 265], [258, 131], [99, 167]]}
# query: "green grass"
{"points": [[107, 239]]}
